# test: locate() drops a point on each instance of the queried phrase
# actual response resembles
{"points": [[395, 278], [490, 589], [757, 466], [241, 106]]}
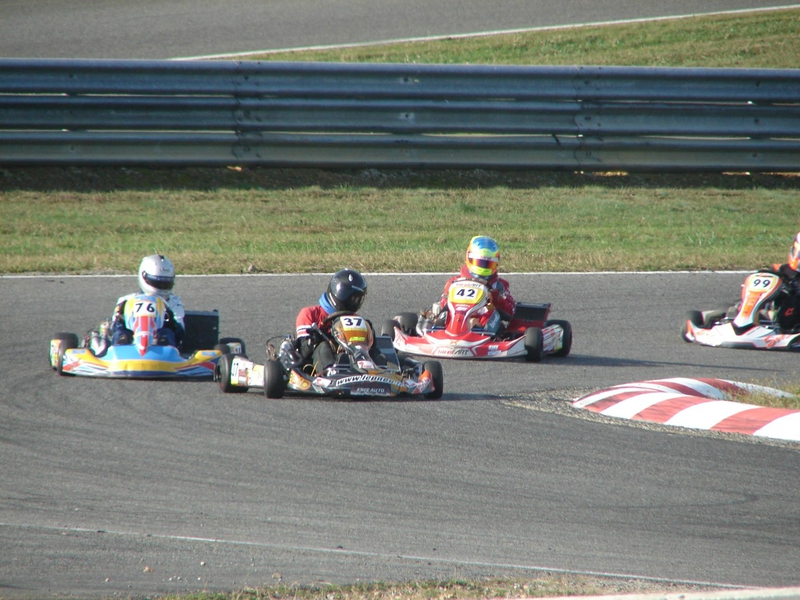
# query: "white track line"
{"points": [[427, 559]]}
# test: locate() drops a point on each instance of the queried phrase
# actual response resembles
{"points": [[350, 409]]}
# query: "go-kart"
{"points": [[366, 366], [453, 332], [750, 325], [147, 357]]}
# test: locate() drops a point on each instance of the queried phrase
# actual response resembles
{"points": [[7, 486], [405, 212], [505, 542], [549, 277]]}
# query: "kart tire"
{"points": [[233, 340], [434, 367], [388, 328], [566, 345], [534, 344], [66, 341], [408, 322], [696, 318], [712, 317], [274, 385], [223, 376]]}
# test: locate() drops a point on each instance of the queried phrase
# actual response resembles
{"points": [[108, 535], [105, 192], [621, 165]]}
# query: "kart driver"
{"points": [[480, 264], [156, 278], [788, 303], [784, 308], [345, 293]]}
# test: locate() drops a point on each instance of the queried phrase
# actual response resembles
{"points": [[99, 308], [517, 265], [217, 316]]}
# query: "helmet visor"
{"points": [[351, 302], [159, 283], [483, 267], [482, 263]]}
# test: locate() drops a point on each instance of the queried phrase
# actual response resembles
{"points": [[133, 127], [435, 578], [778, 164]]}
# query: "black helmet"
{"points": [[347, 290]]}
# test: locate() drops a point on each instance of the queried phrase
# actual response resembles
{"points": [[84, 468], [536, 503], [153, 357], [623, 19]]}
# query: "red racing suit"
{"points": [[308, 316], [502, 299], [313, 348]]}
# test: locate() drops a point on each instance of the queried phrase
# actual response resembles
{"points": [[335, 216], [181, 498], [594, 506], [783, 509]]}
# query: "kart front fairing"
{"points": [[126, 361], [759, 337], [474, 344]]}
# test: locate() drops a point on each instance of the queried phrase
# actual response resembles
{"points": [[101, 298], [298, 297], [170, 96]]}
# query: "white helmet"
{"points": [[156, 275]]}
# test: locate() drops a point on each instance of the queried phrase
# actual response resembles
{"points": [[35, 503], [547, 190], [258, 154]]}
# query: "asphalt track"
{"points": [[141, 488], [184, 28], [136, 487]]}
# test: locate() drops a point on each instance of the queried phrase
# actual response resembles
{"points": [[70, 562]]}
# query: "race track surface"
{"points": [[143, 488], [146, 487], [187, 28]]}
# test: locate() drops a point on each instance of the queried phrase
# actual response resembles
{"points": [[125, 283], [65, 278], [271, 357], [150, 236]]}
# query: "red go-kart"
{"points": [[454, 332]]}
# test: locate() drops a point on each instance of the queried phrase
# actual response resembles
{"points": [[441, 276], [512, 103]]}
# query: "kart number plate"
{"points": [[353, 322], [466, 292], [761, 283]]}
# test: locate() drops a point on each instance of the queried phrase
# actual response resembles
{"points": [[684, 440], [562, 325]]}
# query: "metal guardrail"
{"points": [[113, 112]]}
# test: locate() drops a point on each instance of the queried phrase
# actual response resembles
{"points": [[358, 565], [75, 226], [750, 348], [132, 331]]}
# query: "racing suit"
{"points": [[787, 303], [170, 335], [785, 307], [312, 346], [502, 300]]}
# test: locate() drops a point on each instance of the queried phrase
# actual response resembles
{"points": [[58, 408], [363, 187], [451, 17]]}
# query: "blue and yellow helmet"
{"points": [[483, 257]]}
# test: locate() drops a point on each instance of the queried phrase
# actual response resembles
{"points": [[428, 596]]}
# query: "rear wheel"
{"points": [[534, 344], [273, 379], [566, 340], [388, 328], [408, 321], [435, 369], [235, 345], [223, 374]]}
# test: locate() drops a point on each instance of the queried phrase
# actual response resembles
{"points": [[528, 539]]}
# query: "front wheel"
{"points": [[434, 367], [66, 341], [534, 344], [408, 322], [566, 339], [695, 317], [223, 375], [273, 379]]}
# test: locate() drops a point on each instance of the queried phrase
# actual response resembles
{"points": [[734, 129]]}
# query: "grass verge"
{"points": [[760, 398], [454, 589], [764, 39], [264, 220], [272, 220]]}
